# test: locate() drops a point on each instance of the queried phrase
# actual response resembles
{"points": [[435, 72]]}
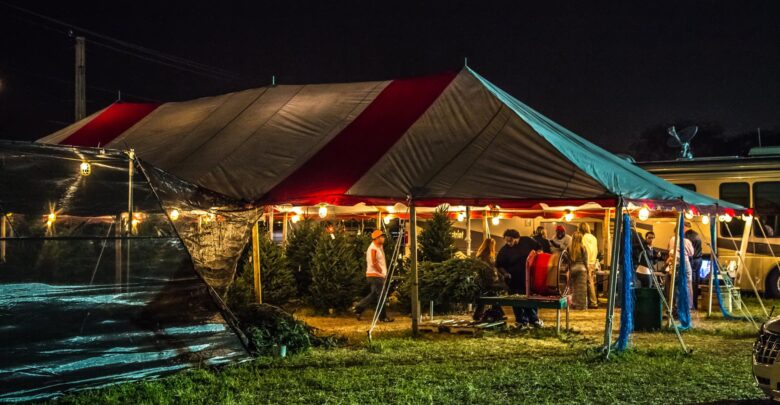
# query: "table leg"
{"points": [[558, 320]]}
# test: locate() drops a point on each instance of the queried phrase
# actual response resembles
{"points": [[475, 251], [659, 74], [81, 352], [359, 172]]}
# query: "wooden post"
{"points": [[270, 223], [256, 262], [714, 259], [378, 219], [468, 231], [606, 240], [485, 226], [130, 172], [284, 227], [675, 257], [613, 270], [415, 285], [118, 232]]}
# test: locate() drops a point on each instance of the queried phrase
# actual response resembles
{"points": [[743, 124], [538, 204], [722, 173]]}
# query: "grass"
{"points": [[536, 366]]}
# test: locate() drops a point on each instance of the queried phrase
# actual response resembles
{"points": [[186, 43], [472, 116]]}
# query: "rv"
{"points": [[752, 181]]}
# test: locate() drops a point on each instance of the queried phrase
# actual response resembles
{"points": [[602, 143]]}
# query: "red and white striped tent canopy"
{"points": [[452, 137]]}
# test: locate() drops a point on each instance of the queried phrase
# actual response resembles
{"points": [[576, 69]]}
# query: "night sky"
{"points": [[605, 72]]}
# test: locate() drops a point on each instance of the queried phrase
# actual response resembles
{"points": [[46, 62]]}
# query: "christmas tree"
{"points": [[436, 241], [300, 251], [277, 280], [337, 276]]}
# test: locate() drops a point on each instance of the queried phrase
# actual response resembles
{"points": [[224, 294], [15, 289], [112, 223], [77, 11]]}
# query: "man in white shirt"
{"points": [[376, 274], [592, 247]]}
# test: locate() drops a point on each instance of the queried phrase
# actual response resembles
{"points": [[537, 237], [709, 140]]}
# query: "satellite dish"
{"points": [[682, 139]]}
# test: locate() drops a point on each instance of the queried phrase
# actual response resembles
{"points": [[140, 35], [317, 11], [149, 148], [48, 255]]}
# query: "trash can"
{"points": [[648, 312]]}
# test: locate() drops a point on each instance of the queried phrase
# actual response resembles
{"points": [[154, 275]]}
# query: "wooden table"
{"points": [[534, 301]]}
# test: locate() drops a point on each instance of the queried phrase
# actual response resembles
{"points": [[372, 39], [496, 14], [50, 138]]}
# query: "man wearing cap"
{"points": [[376, 273], [510, 262], [561, 241]]}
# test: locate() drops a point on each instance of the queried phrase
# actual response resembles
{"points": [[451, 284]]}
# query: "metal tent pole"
{"points": [[415, 284], [130, 170], [468, 231], [613, 270]]}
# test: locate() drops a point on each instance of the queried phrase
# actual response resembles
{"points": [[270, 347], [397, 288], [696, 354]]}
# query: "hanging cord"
{"points": [[386, 285], [657, 286], [744, 266], [729, 285]]}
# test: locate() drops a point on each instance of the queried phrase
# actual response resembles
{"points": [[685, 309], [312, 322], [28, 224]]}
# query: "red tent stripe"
{"points": [[111, 123], [353, 151]]}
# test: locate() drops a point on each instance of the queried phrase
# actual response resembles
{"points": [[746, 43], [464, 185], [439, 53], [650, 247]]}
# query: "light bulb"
{"points": [[85, 168], [689, 214], [495, 220], [644, 213], [390, 209], [747, 217], [51, 218], [705, 219], [174, 214], [721, 218], [388, 218], [461, 216], [323, 211], [295, 218], [727, 218]]}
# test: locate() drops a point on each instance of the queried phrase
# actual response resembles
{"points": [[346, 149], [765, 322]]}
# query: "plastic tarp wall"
{"points": [[88, 295]]}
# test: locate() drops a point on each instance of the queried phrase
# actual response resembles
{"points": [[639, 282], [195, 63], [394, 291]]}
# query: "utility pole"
{"points": [[81, 89]]}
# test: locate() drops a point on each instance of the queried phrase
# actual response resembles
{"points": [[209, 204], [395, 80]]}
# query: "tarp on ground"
{"points": [[451, 137], [82, 303]]}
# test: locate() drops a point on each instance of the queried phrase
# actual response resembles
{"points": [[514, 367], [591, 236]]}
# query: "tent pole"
{"points": [[130, 170], [713, 248], [271, 223], [256, 262], [613, 270], [3, 232], [378, 219], [675, 257], [284, 228], [468, 231], [118, 251], [415, 285]]}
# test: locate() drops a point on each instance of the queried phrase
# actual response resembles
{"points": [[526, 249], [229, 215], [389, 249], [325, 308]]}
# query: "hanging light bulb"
{"points": [[495, 220], [388, 218], [174, 214], [747, 217], [51, 218], [323, 211], [461, 216], [390, 209], [644, 213], [727, 218], [295, 218], [688, 214], [568, 216], [85, 168], [721, 218], [705, 219]]}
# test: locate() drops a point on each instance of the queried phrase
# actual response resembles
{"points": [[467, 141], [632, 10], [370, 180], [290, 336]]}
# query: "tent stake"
{"points": [[613, 269], [415, 285]]}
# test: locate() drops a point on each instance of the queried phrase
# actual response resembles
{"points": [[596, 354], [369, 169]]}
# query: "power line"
{"points": [[134, 50]]}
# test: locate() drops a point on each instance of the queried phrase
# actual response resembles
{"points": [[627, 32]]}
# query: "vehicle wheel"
{"points": [[773, 284]]}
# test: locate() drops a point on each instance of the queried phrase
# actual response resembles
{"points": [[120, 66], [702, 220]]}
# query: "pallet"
{"points": [[458, 327]]}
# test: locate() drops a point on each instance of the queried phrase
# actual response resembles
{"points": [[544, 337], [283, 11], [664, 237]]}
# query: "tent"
{"points": [[448, 138], [90, 293]]}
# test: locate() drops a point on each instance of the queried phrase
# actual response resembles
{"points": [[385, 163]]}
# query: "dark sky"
{"points": [[605, 72]]}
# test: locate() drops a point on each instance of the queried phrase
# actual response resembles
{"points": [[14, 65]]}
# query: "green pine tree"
{"points": [[337, 277], [436, 241], [300, 251], [278, 282]]}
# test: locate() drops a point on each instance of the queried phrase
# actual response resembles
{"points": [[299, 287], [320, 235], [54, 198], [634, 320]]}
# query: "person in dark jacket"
{"points": [[510, 262], [540, 236], [696, 261]]}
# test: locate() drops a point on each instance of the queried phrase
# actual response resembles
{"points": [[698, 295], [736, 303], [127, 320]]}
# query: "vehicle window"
{"points": [[766, 197], [737, 193], [688, 186]]}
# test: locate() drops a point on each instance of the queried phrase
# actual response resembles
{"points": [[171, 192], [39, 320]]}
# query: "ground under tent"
{"points": [[95, 290], [452, 138]]}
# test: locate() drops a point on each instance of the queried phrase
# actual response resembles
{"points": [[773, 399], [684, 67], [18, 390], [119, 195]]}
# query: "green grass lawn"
{"points": [[511, 367]]}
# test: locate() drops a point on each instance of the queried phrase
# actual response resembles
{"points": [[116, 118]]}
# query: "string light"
{"points": [[644, 213], [568, 216], [174, 214], [727, 218], [295, 218], [705, 219], [688, 214], [390, 209], [85, 168], [323, 211], [495, 220], [747, 217], [51, 218], [388, 218], [461, 216]]}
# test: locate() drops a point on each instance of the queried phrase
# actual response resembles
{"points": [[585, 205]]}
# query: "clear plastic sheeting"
{"points": [[95, 287], [213, 228]]}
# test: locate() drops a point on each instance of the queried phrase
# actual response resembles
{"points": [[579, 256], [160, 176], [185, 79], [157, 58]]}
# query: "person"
{"points": [[592, 247], [646, 257], [578, 254], [491, 282], [540, 236], [674, 253], [510, 262], [561, 241], [376, 273], [696, 261]]}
